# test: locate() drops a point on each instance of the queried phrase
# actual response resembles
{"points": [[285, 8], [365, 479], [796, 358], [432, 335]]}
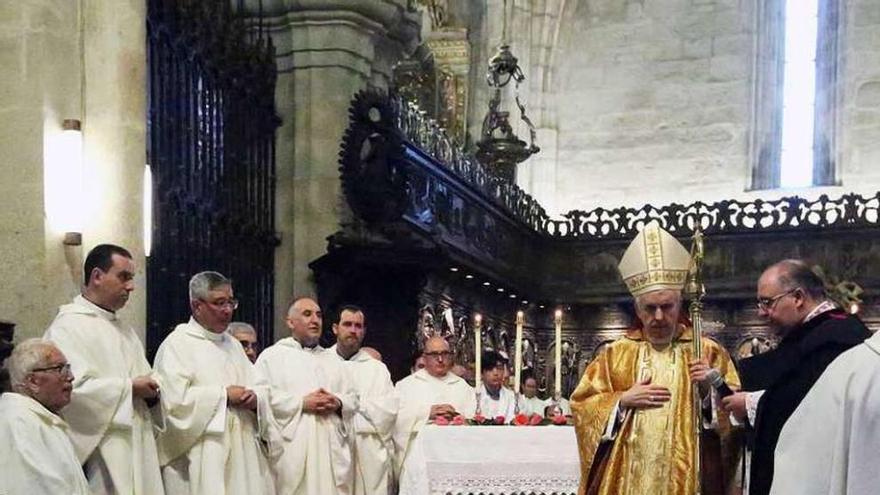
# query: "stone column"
{"points": [[114, 135], [328, 51]]}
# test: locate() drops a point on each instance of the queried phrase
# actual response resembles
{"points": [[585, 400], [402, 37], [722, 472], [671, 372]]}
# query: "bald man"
{"points": [[313, 404], [429, 393]]}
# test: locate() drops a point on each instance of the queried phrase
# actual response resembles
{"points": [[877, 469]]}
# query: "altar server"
{"points": [[496, 400]]}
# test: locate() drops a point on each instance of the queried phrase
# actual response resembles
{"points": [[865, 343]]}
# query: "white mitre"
{"points": [[653, 261]]}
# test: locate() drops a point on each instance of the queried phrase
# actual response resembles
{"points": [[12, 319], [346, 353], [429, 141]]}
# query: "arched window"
{"points": [[794, 126]]}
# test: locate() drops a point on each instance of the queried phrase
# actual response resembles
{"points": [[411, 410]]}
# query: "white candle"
{"points": [[517, 353], [478, 351], [558, 346]]}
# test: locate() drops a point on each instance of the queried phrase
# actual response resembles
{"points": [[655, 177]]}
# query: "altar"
{"points": [[463, 460]]}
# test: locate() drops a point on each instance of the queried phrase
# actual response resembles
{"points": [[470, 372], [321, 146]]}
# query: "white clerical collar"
{"points": [[449, 378], [357, 356], [199, 331], [489, 394], [823, 307], [292, 342], [39, 409], [98, 310]]}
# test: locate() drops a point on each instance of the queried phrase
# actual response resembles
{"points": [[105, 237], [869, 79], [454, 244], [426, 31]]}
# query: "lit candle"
{"points": [[478, 351], [558, 345], [517, 353]]}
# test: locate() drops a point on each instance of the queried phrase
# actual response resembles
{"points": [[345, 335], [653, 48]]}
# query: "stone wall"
{"points": [[327, 52], [62, 62], [651, 102]]}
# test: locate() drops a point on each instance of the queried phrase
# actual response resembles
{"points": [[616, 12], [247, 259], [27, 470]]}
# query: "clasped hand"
{"points": [[445, 410], [321, 402], [241, 397], [144, 387]]}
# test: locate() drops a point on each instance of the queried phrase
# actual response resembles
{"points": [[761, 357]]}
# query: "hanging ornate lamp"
{"points": [[499, 148]]}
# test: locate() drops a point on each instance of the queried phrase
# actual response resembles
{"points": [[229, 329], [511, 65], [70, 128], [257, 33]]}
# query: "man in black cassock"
{"points": [[813, 332]]}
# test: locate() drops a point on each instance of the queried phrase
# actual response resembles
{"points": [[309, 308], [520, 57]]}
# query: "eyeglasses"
{"points": [[231, 303], [249, 345], [767, 303], [61, 369], [437, 355]]}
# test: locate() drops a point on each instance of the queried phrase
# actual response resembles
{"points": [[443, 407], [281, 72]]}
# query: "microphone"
{"points": [[717, 382]]}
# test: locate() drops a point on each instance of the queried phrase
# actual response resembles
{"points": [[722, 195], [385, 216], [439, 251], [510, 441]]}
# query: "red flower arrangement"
{"points": [[559, 419], [457, 420], [518, 420]]}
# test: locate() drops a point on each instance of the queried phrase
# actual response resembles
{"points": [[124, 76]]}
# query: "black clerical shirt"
{"points": [[786, 374]]}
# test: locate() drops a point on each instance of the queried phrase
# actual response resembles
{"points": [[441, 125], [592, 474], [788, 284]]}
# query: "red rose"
{"points": [[441, 421], [559, 419], [500, 420], [521, 420], [479, 418], [458, 420], [535, 419]]}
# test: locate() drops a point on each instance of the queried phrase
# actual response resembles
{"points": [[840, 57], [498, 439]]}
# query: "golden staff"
{"points": [[695, 290]]}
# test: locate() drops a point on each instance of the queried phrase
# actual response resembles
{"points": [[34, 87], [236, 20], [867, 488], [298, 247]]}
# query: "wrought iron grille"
{"points": [[211, 146]]}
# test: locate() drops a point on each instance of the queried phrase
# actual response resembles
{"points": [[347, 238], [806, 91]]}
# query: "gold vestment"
{"points": [[653, 451]]}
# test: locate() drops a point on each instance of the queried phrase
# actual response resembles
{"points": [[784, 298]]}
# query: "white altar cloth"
{"points": [[492, 459]]}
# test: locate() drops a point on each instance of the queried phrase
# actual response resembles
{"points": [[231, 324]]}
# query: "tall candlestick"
{"points": [[478, 351], [558, 346], [517, 353]]}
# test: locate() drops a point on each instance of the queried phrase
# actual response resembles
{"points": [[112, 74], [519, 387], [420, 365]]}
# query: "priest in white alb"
{"points": [[213, 411], [312, 402], [496, 401], [377, 405], [429, 393], [113, 407], [36, 455], [831, 444]]}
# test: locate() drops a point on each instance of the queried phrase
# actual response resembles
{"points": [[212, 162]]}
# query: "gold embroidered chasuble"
{"points": [[653, 450]]}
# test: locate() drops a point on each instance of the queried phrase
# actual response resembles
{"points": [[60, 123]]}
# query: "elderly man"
{"points": [[210, 445], [791, 297], [246, 335], [312, 403], [829, 445], [428, 393], [36, 455], [633, 405], [496, 399], [110, 414], [377, 405]]}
